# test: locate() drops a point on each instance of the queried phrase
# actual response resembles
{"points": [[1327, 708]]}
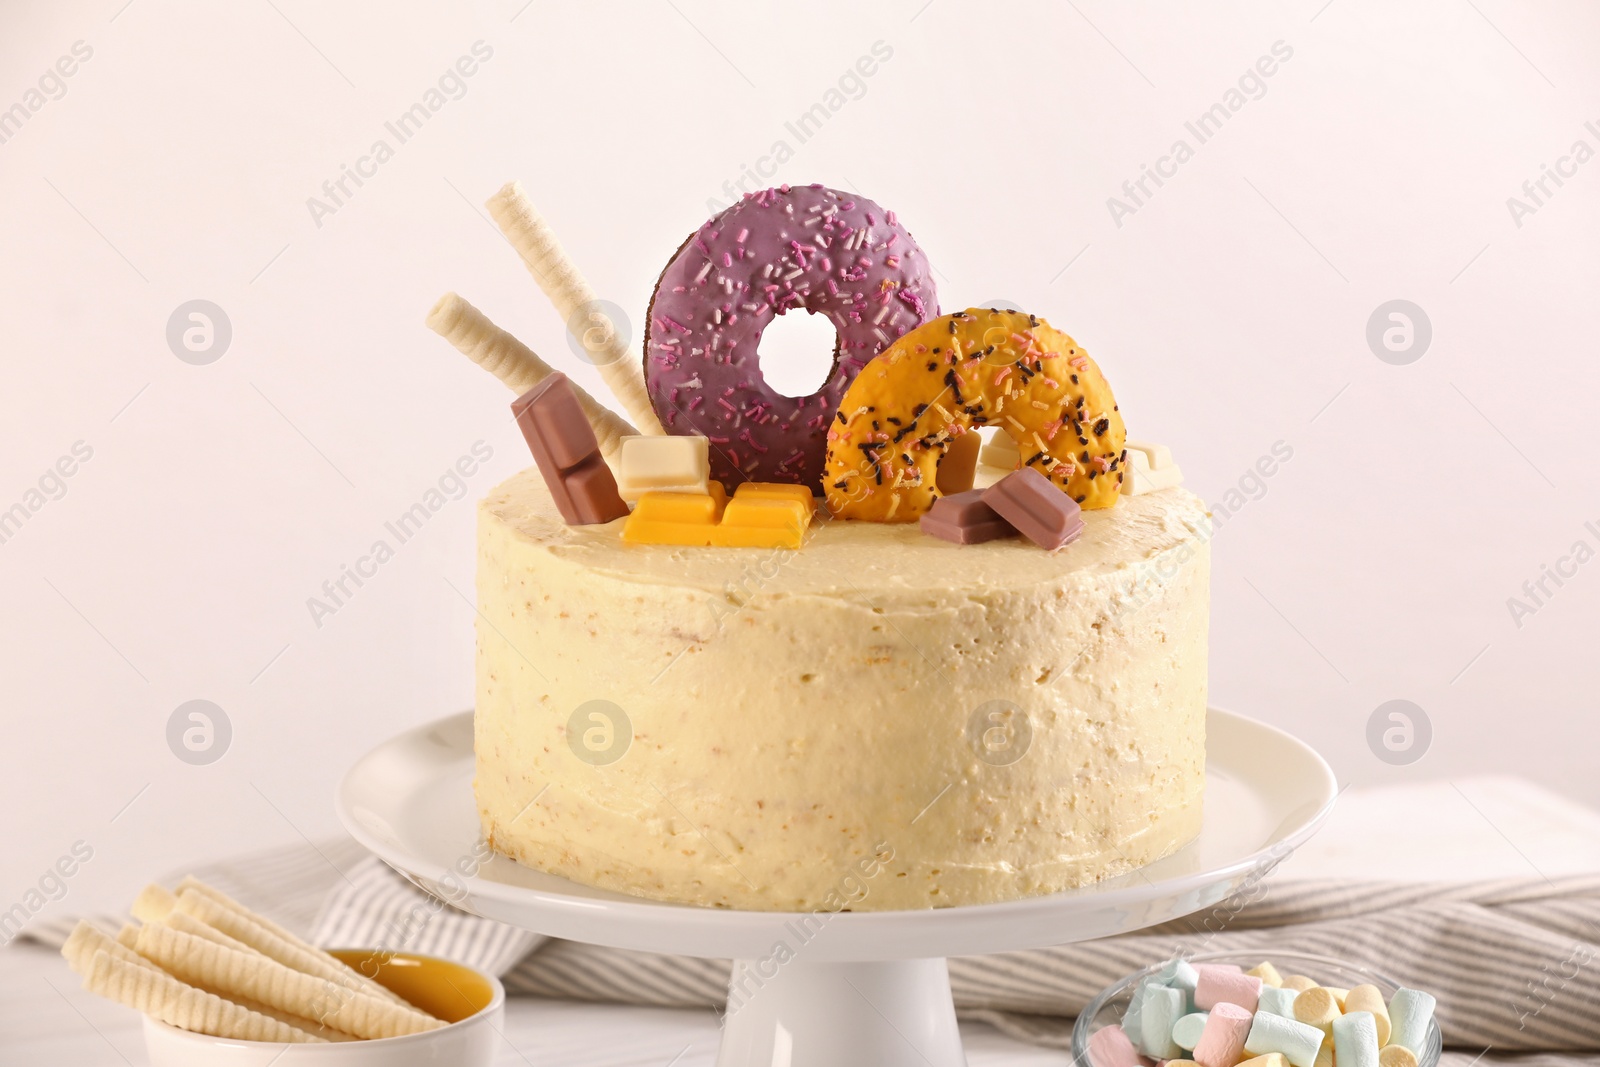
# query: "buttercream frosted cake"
{"points": [[812, 653]]}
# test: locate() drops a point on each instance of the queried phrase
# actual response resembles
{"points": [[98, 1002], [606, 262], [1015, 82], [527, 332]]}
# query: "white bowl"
{"points": [[474, 1004]]}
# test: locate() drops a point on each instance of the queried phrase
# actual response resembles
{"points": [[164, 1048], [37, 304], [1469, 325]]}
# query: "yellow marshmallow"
{"points": [[1317, 1007], [1265, 971]]}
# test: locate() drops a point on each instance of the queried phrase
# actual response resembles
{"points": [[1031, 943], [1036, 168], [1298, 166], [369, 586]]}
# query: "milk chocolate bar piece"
{"points": [[963, 518], [1028, 500], [564, 446]]}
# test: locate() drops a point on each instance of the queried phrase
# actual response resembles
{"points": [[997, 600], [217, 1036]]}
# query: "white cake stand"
{"points": [[868, 988]]}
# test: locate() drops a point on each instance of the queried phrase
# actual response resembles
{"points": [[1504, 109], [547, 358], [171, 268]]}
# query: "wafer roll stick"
{"points": [[92, 939], [517, 365], [250, 975], [175, 1003], [282, 941], [546, 260], [87, 939]]}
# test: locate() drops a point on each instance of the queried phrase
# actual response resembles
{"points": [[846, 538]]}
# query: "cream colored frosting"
{"points": [[796, 714]]}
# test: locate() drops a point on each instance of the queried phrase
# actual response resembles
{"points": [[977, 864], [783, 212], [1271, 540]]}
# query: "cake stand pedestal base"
{"points": [[894, 1013]]}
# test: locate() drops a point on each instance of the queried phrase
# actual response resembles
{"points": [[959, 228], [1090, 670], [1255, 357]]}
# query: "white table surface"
{"points": [[1467, 829]]}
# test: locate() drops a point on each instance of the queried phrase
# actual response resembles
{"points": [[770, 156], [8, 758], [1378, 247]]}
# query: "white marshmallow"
{"points": [[1410, 1012], [1163, 1006], [1355, 1040]]}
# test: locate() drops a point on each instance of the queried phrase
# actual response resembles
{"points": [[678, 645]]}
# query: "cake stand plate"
{"points": [[833, 990]]}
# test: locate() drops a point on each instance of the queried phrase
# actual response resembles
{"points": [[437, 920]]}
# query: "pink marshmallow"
{"points": [[1221, 1043], [1110, 1047], [1226, 987], [1231, 968]]}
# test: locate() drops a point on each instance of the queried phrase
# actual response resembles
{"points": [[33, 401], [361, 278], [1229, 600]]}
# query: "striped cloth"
{"points": [[1515, 964]]}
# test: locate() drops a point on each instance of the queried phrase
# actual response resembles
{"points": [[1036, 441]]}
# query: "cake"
{"points": [[931, 636], [801, 718]]}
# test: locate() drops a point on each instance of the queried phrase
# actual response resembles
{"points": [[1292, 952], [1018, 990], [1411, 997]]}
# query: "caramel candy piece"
{"points": [[767, 515], [760, 515], [564, 446], [964, 519], [666, 517], [1042, 511]]}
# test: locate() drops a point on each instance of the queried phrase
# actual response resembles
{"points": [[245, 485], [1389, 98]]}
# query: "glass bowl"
{"points": [[1107, 1009]]}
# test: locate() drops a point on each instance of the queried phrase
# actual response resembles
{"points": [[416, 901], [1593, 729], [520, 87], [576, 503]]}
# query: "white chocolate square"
{"points": [[663, 464], [1159, 456], [1138, 478], [1000, 451]]}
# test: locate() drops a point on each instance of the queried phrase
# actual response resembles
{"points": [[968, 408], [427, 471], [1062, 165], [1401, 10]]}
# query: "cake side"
{"points": [[968, 723]]}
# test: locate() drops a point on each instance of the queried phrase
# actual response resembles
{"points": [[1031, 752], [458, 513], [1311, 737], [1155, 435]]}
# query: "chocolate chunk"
{"points": [[1034, 505], [963, 518], [564, 446]]}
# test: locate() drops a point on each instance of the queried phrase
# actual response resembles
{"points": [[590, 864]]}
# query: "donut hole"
{"points": [[797, 353]]}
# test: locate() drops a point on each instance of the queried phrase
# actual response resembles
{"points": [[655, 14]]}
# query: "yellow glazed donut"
{"points": [[957, 373]]}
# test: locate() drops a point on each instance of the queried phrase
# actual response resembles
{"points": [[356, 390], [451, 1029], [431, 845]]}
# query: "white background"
{"points": [[1229, 312]]}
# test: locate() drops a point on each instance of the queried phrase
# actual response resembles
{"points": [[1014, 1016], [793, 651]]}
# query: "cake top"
{"points": [[918, 409], [861, 558]]}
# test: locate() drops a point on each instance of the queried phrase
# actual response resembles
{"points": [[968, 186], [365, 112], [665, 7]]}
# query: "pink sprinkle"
{"points": [[1001, 376], [742, 235], [893, 261], [1078, 362], [1050, 429], [727, 260]]}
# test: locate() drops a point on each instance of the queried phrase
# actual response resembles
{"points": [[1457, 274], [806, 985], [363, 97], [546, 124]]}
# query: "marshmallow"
{"points": [[1163, 1006], [1222, 1042], [663, 464], [1368, 998], [1270, 1059], [1298, 982], [1110, 1047], [1297, 1041], [1355, 1040], [1180, 1063], [1179, 975], [1277, 1001], [1187, 1030], [1316, 1007], [1325, 1055], [1396, 1056], [1338, 995], [1410, 1012], [1230, 987], [1131, 1017], [1230, 968], [1267, 973]]}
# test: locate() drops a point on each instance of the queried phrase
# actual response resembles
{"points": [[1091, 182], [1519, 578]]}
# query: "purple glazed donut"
{"points": [[809, 247]]}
